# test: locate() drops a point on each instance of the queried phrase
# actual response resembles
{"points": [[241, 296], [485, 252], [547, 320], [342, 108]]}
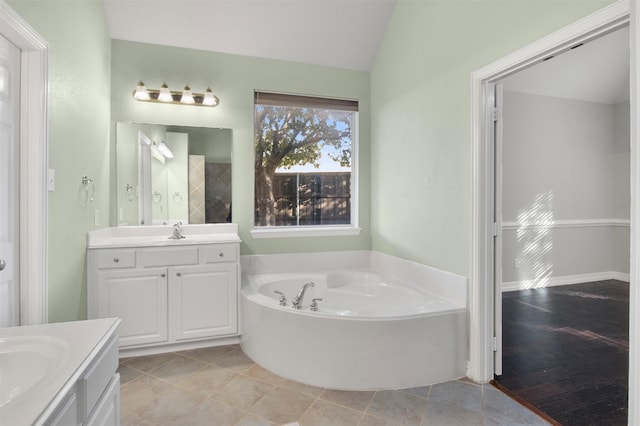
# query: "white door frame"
{"points": [[33, 164], [481, 296]]}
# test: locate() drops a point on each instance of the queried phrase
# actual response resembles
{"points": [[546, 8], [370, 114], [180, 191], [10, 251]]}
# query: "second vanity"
{"points": [[60, 374], [171, 294]]}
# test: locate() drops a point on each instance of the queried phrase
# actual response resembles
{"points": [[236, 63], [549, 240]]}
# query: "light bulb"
{"points": [[141, 93], [165, 94], [187, 96], [209, 99]]}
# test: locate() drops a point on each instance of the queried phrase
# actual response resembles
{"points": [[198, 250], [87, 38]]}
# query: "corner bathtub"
{"points": [[370, 332]]}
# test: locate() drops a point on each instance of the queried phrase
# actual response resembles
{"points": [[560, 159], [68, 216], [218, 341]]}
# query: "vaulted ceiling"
{"points": [[335, 33], [345, 34]]}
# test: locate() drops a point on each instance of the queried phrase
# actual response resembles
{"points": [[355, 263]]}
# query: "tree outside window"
{"points": [[303, 160]]}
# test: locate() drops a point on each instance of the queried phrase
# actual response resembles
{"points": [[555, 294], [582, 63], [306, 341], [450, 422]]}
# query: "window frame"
{"points": [[351, 229]]}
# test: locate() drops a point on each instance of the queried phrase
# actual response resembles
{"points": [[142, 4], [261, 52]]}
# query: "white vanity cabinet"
{"points": [[67, 374], [95, 398], [166, 294]]}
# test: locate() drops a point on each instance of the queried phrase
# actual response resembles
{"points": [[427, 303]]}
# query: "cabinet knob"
{"points": [[221, 255], [163, 275], [116, 260], [178, 274]]}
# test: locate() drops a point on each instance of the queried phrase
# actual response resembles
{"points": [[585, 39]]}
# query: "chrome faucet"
{"points": [[314, 304], [283, 298], [177, 232], [296, 303]]}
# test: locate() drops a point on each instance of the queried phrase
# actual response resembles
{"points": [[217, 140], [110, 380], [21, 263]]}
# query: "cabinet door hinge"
{"points": [[495, 344]]}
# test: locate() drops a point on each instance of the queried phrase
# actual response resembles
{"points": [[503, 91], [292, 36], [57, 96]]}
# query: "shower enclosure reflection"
{"points": [[169, 174]]}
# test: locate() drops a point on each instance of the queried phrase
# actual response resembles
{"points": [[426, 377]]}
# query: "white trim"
{"points": [[634, 296], [355, 172], [621, 276], [33, 164], [570, 223], [178, 346], [481, 312], [351, 229], [564, 280], [305, 231]]}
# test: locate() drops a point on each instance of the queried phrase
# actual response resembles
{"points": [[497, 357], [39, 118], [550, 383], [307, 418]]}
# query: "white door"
{"points": [[9, 181], [495, 100]]}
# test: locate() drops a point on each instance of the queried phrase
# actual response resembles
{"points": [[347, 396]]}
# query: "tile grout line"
{"points": [[366, 409], [306, 411], [426, 405]]}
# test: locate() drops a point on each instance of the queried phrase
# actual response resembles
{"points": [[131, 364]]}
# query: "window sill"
{"points": [[307, 231]]}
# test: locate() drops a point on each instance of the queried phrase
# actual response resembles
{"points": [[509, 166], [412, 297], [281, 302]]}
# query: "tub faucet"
{"points": [[314, 304], [283, 298], [296, 303], [177, 232]]}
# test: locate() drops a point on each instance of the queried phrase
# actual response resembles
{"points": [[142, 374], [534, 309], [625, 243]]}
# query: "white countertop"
{"points": [[158, 235], [80, 341]]}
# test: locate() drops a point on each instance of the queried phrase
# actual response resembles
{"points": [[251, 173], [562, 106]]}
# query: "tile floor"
{"points": [[222, 386]]}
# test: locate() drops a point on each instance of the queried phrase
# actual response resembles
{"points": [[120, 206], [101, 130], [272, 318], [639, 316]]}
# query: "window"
{"points": [[304, 161]]}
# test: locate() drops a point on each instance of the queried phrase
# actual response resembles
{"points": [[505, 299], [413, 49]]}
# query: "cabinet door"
{"points": [[67, 413], [139, 298], [204, 301], [107, 410]]}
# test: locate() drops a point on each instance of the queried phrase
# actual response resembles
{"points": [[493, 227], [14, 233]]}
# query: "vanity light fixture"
{"points": [[185, 97]]}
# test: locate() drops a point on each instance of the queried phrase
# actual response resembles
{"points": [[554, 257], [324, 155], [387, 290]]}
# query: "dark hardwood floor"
{"points": [[566, 351]]}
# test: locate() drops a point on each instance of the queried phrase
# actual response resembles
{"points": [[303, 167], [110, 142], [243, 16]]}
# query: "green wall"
{"points": [[420, 115], [79, 91], [234, 78]]}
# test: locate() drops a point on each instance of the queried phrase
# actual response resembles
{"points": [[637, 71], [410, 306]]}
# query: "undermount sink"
{"points": [[26, 362]]}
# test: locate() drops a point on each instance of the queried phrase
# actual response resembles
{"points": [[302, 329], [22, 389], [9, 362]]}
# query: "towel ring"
{"points": [[129, 189], [89, 188]]}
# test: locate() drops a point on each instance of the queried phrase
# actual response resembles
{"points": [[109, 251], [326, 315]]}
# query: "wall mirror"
{"points": [[168, 174]]}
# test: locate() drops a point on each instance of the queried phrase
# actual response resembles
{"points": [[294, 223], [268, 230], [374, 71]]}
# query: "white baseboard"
{"points": [[564, 280], [182, 346]]}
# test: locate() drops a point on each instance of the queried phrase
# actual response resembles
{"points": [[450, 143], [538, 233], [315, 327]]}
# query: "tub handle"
{"points": [[314, 304], [283, 298]]}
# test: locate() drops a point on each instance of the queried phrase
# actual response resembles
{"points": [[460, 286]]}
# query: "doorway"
{"points": [[482, 296], [32, 154], [563, 192]]}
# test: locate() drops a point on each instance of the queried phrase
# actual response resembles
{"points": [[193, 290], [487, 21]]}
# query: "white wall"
{"points": [[622, 181], [566, 171]]}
